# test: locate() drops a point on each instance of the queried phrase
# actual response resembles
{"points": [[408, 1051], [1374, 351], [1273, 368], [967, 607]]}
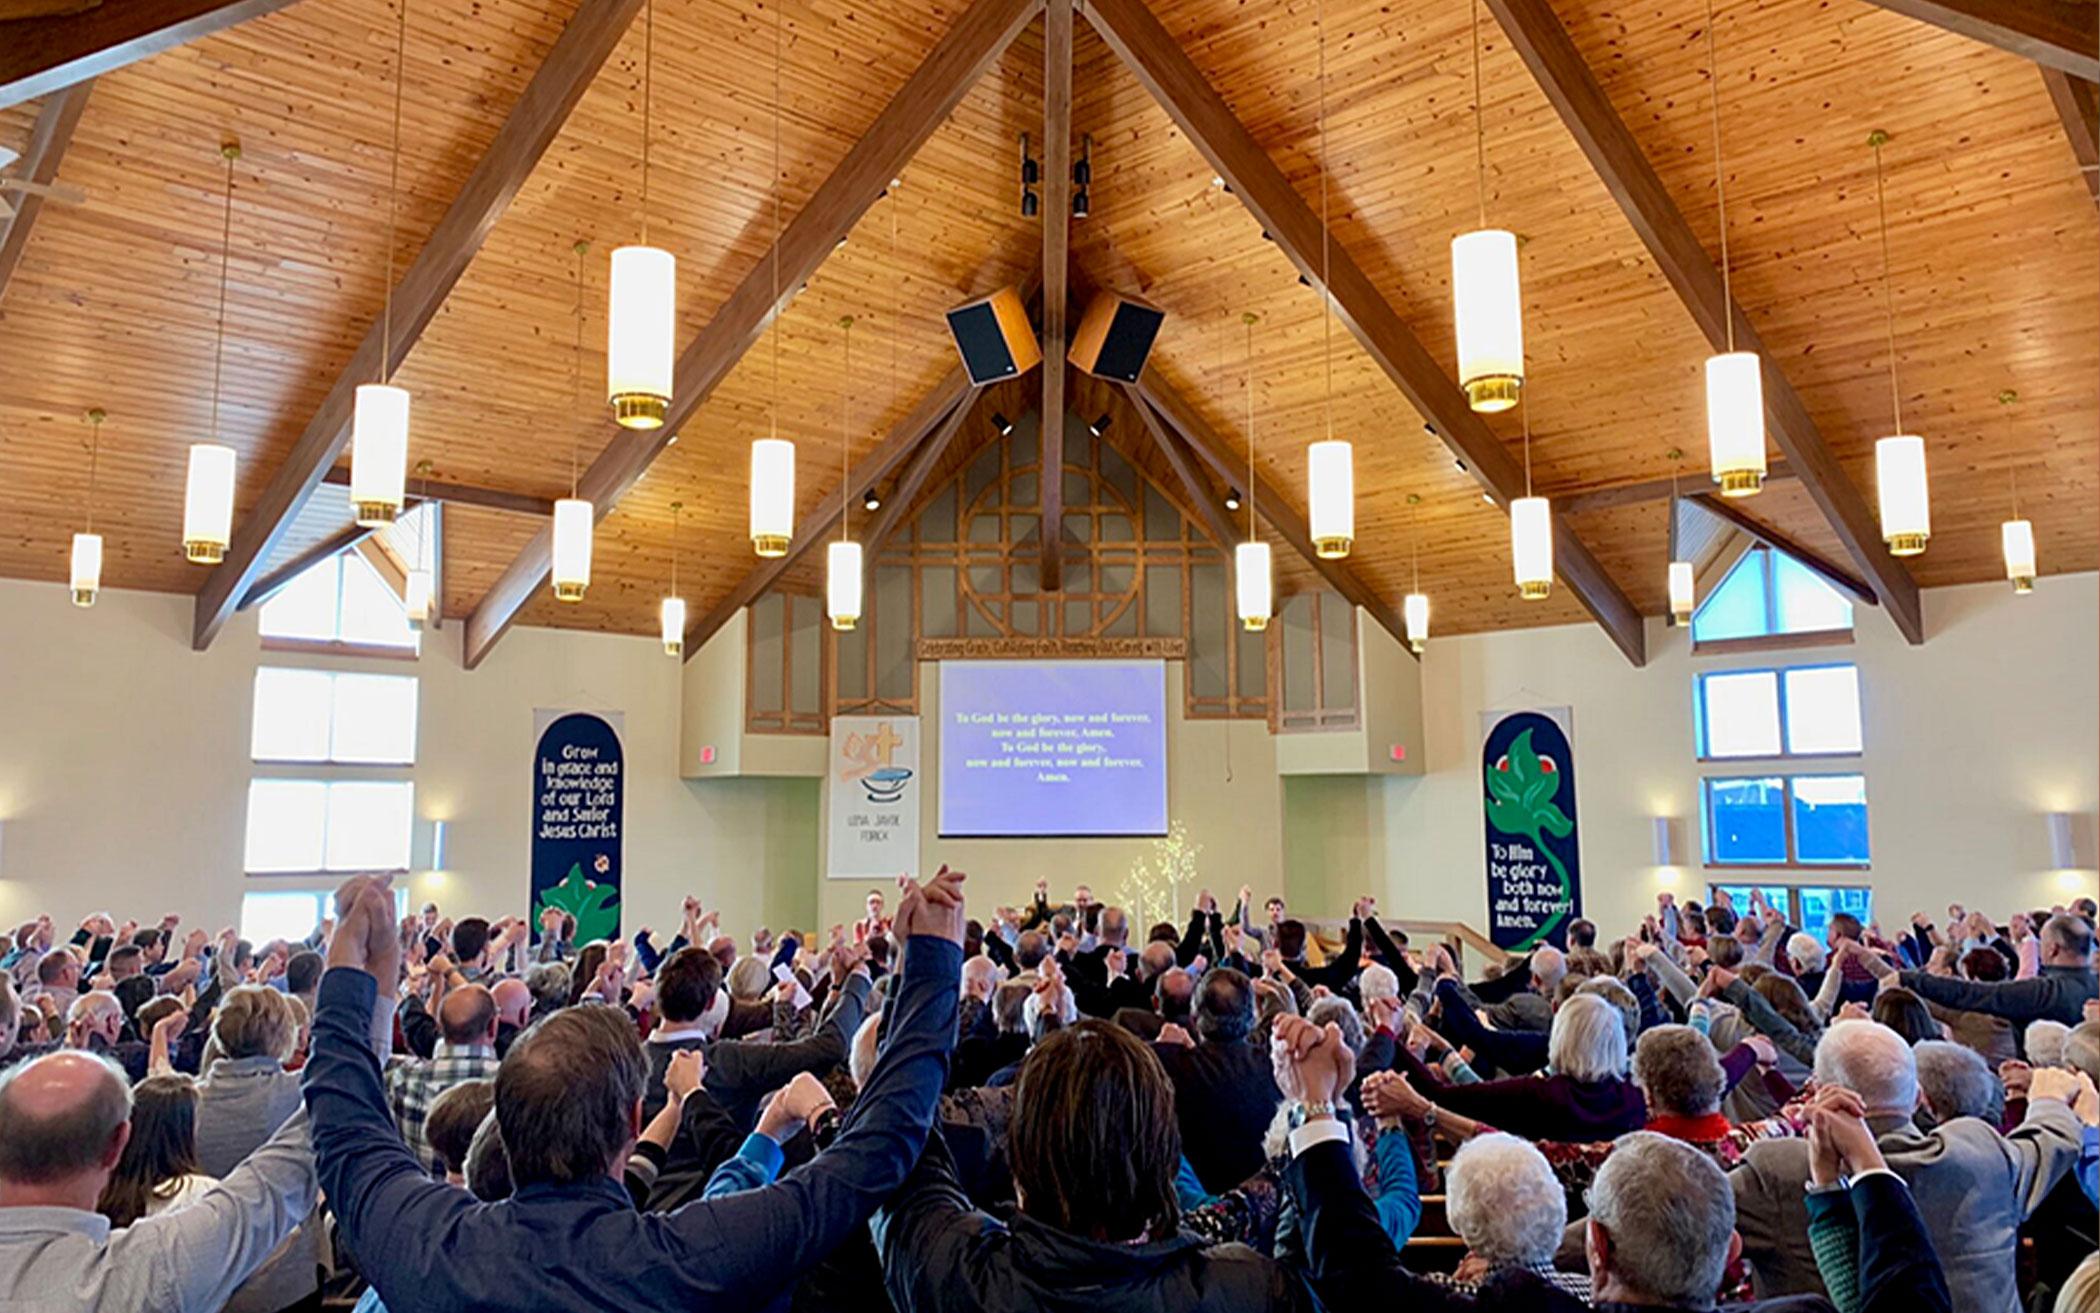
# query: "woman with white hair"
{"points": [[1583, 1094], [1504, 1201]]}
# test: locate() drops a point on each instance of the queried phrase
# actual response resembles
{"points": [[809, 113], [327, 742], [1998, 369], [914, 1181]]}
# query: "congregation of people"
{"points": [[1052, 1107]]}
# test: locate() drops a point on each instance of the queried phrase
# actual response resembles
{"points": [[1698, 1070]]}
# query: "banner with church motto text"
{"points": [[1534, 857], [873, 780], [578, 820]]}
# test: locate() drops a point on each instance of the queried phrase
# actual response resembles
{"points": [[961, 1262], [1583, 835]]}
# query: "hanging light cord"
{"points": [[232, 152], [393, 193], [675, 508], [576, 364], [1524, 410], [94, 460], [1326, 240], [1713, 83], [773, 407], [1248, 319], [845, 431], [648, 102], [1888, 290], [1480, 150]]}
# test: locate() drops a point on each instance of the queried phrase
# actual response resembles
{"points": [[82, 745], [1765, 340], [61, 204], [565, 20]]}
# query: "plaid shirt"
{"points": [[413, 1085]]}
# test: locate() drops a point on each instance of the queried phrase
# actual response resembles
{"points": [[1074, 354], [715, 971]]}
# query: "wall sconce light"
{"points": [[1665, 840], [437, 845], [2063, 853]]}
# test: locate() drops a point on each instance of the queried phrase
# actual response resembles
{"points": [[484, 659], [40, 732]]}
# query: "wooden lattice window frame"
{"points": [[786, 720], [1321, 717]]}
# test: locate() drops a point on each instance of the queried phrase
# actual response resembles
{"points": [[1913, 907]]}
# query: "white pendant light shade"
{"points": [[1735, 421], [572, 548], [772, 495], [1681, 592], [1490, 310], [1906, 502], [640, 325], [842, 580], [416, 598], [670, 618], [1531, 546], [1252, 584], [87, 568], [207, 504], [2018, 539], [378, 453], [1414, 615], [1330, 469]]}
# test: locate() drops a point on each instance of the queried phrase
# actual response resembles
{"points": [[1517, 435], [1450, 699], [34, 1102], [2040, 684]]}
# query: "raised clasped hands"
{"points": [[934, 908]]}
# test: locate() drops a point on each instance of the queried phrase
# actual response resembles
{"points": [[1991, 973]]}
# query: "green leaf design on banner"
{"points": [[1520, 802], [585, 901]]}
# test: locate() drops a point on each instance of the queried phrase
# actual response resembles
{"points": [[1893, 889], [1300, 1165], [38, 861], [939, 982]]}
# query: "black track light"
{"points": [[871, 500], [1031, 174], [1232, 499], [1002, 423], [1100, 425], [1081, 206]]}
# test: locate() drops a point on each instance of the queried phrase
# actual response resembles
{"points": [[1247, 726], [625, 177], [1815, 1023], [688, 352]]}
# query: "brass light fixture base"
{"points": [[674, 649], [566, 591], [204, 553], [1254, 624], [1331, 549], [1906, 544], [83, 597], [1493, 393], [1416, 648], [1740, 483], [770, 544], [640, 410], [1535, 590], [372, 514], [2023, 584], [844, 623]]}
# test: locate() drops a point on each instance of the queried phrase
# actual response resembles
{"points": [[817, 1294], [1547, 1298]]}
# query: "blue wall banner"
{"points": [[578, 770], [1534, 858]]}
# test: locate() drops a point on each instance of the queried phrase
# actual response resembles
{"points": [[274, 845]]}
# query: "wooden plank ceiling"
{"points": [[1993, 229]]}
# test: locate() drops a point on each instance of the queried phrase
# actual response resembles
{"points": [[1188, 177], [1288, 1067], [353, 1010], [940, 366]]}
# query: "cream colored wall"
{"points": [[1230, 801], [1969, 741], [124, 769]]}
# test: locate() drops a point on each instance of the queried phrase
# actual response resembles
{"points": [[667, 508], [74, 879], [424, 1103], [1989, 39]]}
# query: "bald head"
{"points": [[62, 1116], [513, 1001], [468, 1016]]}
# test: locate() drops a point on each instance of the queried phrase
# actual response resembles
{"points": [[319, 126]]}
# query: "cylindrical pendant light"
{"points": [[1906, 502], [1490, 312], [1899, 460], [379, 422], [641, 320], [572, 548], [842, 583], [1414, 614], [1682, 586], [207, 503], [378, 453], [207, 497], [772, 495], [1253, 584], [1735, 421], [1329, 470], [1735, 384], [670, 619], [418, 592], [2017, 537], [416, 598], [86, 568], [1531, 547]]}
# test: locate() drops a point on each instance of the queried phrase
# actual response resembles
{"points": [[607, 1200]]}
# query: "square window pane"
{"points": [[1830, 818], [305, 607], [287, 825], [1822, 709], [1736, 608], [291, 715], [1746, 822], [1739, 714], [375, 719], [371, 613], [1806, 603], [279, 915], [368, 825]]}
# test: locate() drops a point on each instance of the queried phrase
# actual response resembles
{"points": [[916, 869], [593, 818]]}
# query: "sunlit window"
{"points": [[334, 716], [340, 600], [1769, 593], [293, 914], [329, 825], [1806, 907], [1798, 820], [1802, 711]]}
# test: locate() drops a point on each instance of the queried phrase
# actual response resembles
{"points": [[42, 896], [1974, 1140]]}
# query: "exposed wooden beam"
{"points": [[950, 69], [1633, 494], [577, 55], [904, 494], [48, 140], [1164, 70], [2057, 34], [269, 585], [1194, 485], [2077, 103], [41, 55], [1560, 71], [951, 396], [383, 563], [464, 494], [1057, 233], [1829, 571], [1158, 398]]}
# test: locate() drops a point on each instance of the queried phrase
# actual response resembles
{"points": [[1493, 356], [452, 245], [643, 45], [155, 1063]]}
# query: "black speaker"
{"points": [[993, 337], [1115, 336]]}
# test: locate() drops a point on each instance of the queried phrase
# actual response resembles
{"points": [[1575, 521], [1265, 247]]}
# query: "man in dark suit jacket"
{"points": [[1224, 1094], [1661, 1229]]}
